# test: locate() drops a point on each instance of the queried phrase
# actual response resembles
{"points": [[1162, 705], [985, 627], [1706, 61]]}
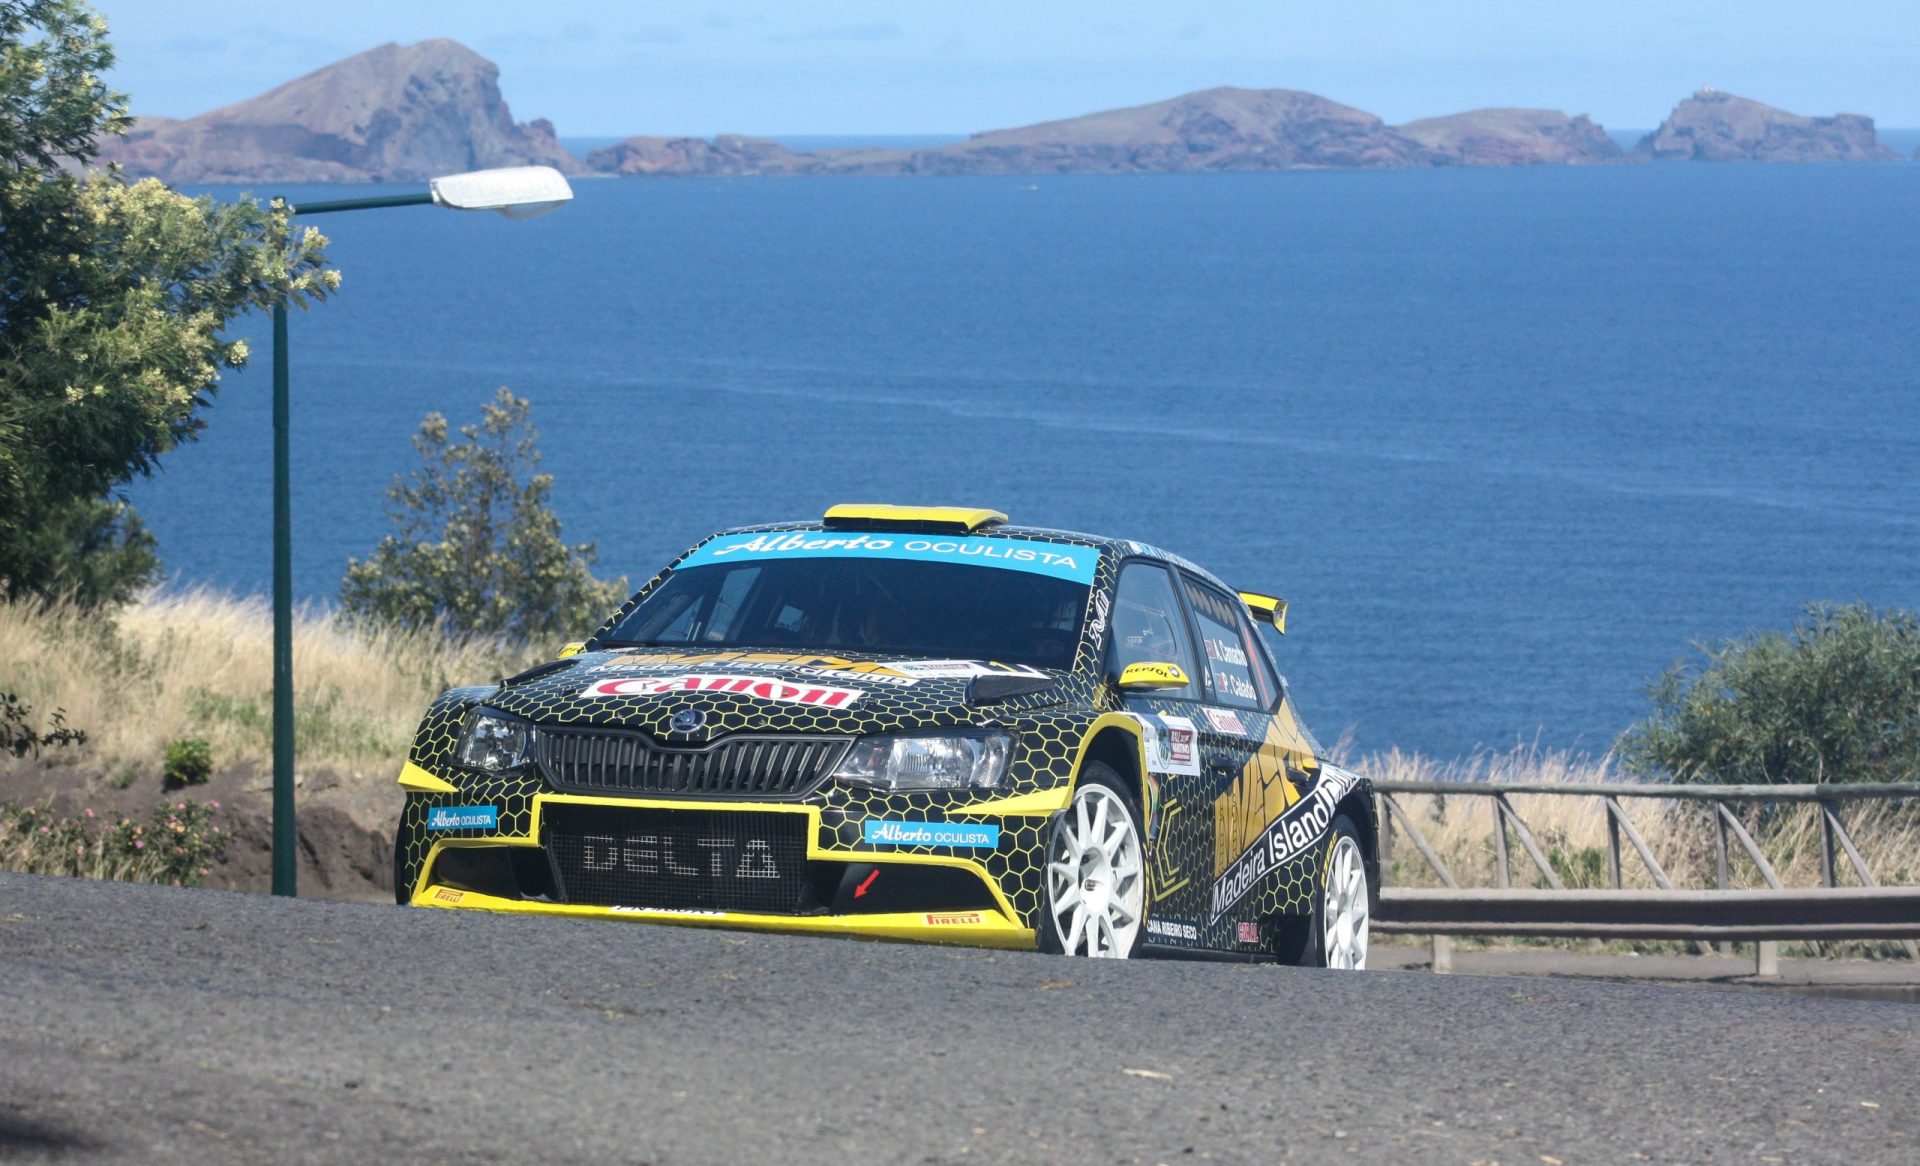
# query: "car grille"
{"points": [[683, 860], [613, 761]]}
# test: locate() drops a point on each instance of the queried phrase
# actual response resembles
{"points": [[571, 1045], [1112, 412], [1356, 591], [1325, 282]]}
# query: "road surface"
{"points": [[149, 1024]]}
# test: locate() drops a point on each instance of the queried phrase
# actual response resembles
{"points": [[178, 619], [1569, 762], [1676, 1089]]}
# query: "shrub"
{"points": [[189, 761], [177, 844], [18, 735], [1836, 700]]}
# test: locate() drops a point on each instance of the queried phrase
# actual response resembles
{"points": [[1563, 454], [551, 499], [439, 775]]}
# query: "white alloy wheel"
{"points": [[1096, 875], [1343, 906]]}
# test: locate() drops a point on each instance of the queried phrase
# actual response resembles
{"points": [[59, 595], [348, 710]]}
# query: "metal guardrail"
{"points": [[1723, 914]]}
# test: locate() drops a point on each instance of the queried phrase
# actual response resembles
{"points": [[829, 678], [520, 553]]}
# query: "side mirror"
{"points": [[572, 649], [1150, 676]]}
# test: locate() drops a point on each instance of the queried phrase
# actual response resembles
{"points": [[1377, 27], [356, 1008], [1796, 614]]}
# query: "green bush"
{"points": [[1836, 700], [189, 761]]}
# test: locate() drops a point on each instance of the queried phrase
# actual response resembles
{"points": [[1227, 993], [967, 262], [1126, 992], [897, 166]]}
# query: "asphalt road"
{"points": [[151, 1024]]}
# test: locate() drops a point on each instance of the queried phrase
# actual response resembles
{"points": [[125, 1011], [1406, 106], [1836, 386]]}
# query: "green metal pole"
{"points": [[421, 198], [284, 832]]}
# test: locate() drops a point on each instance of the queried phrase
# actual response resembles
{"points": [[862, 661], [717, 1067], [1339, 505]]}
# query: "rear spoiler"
{"points": [[1266, 609]]}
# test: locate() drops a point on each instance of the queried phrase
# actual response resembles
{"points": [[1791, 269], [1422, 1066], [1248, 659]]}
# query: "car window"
{"points": [[1227, 639], [937, 610], [1148, 627], [1263, 661]]}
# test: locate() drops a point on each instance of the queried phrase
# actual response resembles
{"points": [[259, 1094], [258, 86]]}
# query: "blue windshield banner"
{"points": [[1059, 560]]}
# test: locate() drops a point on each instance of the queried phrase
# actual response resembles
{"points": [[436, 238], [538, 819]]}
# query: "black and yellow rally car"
{"points": [[907, 723]]}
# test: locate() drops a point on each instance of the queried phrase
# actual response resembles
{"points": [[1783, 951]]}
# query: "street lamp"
{"points": [[518, 192]]}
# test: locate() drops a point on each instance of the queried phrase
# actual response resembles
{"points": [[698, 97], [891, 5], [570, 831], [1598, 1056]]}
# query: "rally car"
{"points": [[907, 723]]}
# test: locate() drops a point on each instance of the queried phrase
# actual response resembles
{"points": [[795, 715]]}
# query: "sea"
{"points": [[1511, 442]]}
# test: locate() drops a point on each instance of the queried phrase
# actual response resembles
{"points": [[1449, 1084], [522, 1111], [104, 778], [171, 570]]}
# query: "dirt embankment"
{"points": [[345, 829]]}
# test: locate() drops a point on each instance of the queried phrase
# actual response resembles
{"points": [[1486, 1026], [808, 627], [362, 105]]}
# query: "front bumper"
{"points": [[534, 864]]}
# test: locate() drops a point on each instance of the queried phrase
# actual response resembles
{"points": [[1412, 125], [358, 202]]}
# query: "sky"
{"points": [[933, 66]]}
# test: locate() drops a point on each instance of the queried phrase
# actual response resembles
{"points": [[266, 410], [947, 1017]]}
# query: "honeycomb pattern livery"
{"points": [[1049, 727]]}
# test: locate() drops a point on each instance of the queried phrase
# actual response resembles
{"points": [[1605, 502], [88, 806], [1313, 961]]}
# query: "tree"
{"points": [[113, 297], [1836, 701], [477, 549]]}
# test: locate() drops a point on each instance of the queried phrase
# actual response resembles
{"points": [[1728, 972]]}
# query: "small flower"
{"points": [[215, 805], [89, 815], [139, 845]]}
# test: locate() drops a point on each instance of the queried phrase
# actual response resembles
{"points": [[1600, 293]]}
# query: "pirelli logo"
{"points": [[1287, 838]]}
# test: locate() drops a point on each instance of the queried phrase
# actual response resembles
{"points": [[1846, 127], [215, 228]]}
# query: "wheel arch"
{"points": [[1119, 747], [1358, 806]]}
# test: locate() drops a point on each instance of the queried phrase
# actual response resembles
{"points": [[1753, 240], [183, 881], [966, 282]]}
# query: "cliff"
{"points": [[394, 113], [1514, 137], [1719, 127]]}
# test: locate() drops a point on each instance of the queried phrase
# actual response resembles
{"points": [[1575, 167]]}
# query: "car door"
{"points": [[1148, 625], [1257, 758]]}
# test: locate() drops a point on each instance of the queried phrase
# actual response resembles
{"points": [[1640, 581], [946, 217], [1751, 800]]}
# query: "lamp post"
{"points": [[519, 192]]}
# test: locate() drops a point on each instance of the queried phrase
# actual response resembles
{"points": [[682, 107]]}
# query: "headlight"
{"points": [[947, 761], [494, 743]]}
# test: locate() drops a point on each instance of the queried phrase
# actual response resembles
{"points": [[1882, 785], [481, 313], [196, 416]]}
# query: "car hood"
{"points": [[722, 692]]}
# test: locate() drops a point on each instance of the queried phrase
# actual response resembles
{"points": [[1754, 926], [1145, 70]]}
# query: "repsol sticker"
{"points": [[463, 817], [967, 835], [1013, 554], [758, 687], [1291, 835]]}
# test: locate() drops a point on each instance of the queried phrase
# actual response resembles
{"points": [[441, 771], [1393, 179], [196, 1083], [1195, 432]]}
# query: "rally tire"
{"points": [[1336, 935], [1095, 897], [402, 893]]}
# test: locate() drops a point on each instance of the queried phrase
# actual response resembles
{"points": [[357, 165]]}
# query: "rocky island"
{"points": [[1718, 127], [391, 114], [404, 113]]}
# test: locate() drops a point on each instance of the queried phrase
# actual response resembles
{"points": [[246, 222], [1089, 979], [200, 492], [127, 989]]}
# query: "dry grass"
{"points": [[200, 664], [1572, 831]]}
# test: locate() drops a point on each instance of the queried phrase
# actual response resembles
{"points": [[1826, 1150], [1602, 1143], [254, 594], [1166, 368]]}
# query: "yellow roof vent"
{"points": [[933, 519], [1267, 609]]}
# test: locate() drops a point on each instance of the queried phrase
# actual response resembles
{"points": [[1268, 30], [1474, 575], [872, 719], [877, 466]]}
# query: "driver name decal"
{"points": [[758, 687]]}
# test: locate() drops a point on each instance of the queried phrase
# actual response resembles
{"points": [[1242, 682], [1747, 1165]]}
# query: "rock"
{"points": [[1514, 137], [725, 156], [391, 114], [1217, 129], [1718, 127]]}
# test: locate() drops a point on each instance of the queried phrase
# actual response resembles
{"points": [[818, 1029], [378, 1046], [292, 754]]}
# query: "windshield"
{"points": [[954, 609]]}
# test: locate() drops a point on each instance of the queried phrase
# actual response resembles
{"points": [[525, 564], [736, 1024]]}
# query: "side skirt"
{"points": [[1159, 951]]}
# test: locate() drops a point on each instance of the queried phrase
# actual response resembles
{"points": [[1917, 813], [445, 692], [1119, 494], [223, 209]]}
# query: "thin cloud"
{"points": [[842, 32], [656, 34]]}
